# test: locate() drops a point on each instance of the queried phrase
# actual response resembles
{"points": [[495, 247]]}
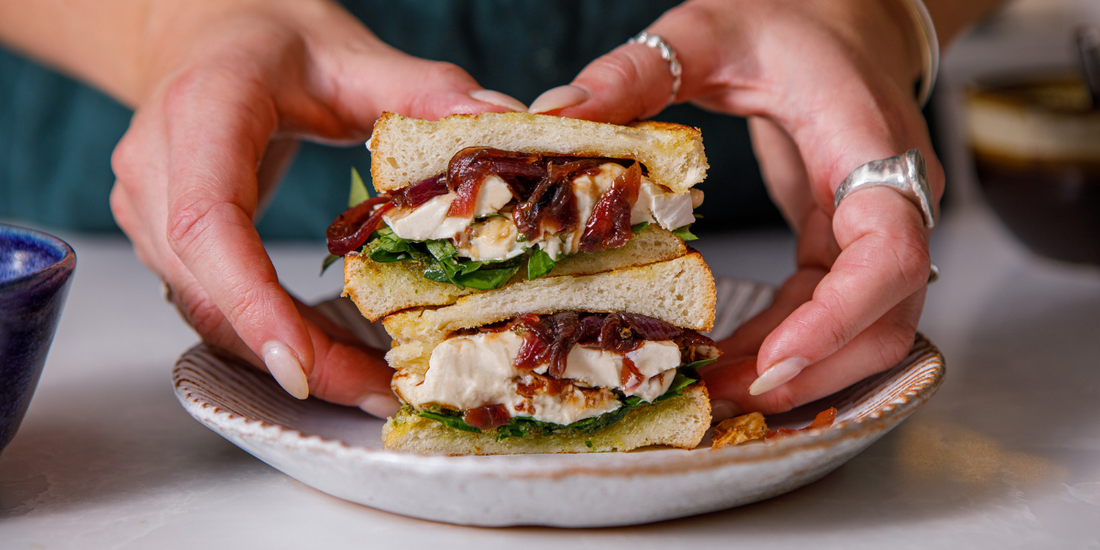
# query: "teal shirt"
{"points": [[56, 135]]}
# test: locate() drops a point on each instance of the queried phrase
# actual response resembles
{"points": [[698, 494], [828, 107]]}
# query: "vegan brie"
{"points": [[466, 372]]}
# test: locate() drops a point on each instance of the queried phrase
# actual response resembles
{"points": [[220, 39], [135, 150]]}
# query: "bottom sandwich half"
{"points": [[602, 362]]}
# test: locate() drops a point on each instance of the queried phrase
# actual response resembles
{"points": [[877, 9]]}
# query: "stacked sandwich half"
{"points": [[533, 274]]}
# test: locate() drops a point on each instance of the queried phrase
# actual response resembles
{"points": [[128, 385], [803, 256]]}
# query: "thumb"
{"points": [[631, 82], [418, 88], [634, 81]]}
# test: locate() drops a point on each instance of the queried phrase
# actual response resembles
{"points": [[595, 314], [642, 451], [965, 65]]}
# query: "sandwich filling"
{"points": [[560, 369], [493, 207]]}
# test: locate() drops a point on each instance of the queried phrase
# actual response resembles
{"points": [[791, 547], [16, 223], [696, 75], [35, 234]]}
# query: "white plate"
{"points": [[338, 450]]}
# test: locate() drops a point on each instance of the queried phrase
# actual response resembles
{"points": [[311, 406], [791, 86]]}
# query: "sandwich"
{"points": [[533, 274], [470, 204]]}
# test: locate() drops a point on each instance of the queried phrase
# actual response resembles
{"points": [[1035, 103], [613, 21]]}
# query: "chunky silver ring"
{"points": [[667, 53], [904, 173]]}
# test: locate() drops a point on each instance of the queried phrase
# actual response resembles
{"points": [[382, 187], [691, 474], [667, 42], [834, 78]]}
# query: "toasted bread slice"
{"points": [[679, 291], [383, 288], [405, 150], [679, 421]]}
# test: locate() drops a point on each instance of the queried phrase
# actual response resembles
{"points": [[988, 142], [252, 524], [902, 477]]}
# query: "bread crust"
{"points": [[408, 150], [679, 421]]}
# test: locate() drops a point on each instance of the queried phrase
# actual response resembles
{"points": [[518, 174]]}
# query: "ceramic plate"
{"points": [[338, 450]]}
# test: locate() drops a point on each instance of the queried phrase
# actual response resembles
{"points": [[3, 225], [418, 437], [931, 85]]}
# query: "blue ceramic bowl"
{"points": [[35, 269]]}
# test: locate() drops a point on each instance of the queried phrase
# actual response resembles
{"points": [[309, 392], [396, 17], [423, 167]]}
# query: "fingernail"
{"points": [[722, 409], [382, 405], [498, 99], [559, 98], [284, 366], [777, 375]]}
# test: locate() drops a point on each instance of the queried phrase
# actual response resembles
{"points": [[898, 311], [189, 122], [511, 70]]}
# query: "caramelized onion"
{"points": [[542, 185], [824, 419], [352, 227], [552, 206], [487, 417], [609, 224], [469, 168], [631, 377], [547, 340], [420, 193]]}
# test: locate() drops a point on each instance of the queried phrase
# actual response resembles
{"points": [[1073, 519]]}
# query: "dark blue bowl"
{"points": [[35, 269]]}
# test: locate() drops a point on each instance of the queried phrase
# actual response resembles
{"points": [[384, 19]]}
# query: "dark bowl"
{"points": [[1035, 140], [35, 269]]}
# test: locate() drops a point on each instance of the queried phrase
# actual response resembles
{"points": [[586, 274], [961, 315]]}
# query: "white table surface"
{"points": [[1006, 455]]}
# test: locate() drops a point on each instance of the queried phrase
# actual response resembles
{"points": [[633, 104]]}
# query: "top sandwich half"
{"points": [[472, 203]]}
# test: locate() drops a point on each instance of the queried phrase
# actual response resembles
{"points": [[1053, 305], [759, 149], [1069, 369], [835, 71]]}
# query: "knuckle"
{"points": [[188, 218], [701, 18], [828, 311], [895, 341], [181, 91], [447, 71], [202, 314], [912, 260], [119, 203], [125, 157], [247, 307]]}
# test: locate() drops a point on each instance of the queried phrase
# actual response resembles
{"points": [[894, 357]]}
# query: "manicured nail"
{"points": [[382, 405], [777, 375], [722, 409], [559, 98], [499, 99], [284, 366]]}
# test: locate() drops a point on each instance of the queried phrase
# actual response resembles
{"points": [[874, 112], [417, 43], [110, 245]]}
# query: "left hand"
{"points": [[827, 86]]}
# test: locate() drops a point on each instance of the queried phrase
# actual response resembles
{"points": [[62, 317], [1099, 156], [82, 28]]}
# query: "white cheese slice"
{"points": [[426, 222], [430, 220], [655, 205], [493, 194], [471, 371], [601, 368]]}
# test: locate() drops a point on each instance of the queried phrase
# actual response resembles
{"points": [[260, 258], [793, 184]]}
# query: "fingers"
{"points": [[630, 83], [884, 261], [884, 344], [212, 198], [362, 87], [796, 290], [782, 170], [633, 82]]}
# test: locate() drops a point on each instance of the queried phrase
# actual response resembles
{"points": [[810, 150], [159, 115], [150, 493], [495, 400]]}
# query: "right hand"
{"points": [[228, 89]]}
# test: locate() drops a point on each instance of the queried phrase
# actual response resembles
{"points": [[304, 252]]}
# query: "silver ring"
{"points": [[667, 53], [904, 173]]}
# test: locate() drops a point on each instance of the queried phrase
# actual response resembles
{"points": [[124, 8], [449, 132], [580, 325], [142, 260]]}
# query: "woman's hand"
{"points": [[828, 85], [229, 88]]}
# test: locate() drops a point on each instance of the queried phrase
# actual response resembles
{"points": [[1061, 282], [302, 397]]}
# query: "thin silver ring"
{"points": [[903, 173], [933, 274], [667, 53]]}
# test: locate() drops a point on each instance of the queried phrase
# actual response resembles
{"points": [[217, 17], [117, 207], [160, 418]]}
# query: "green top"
{"points": [[56, 135]]}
